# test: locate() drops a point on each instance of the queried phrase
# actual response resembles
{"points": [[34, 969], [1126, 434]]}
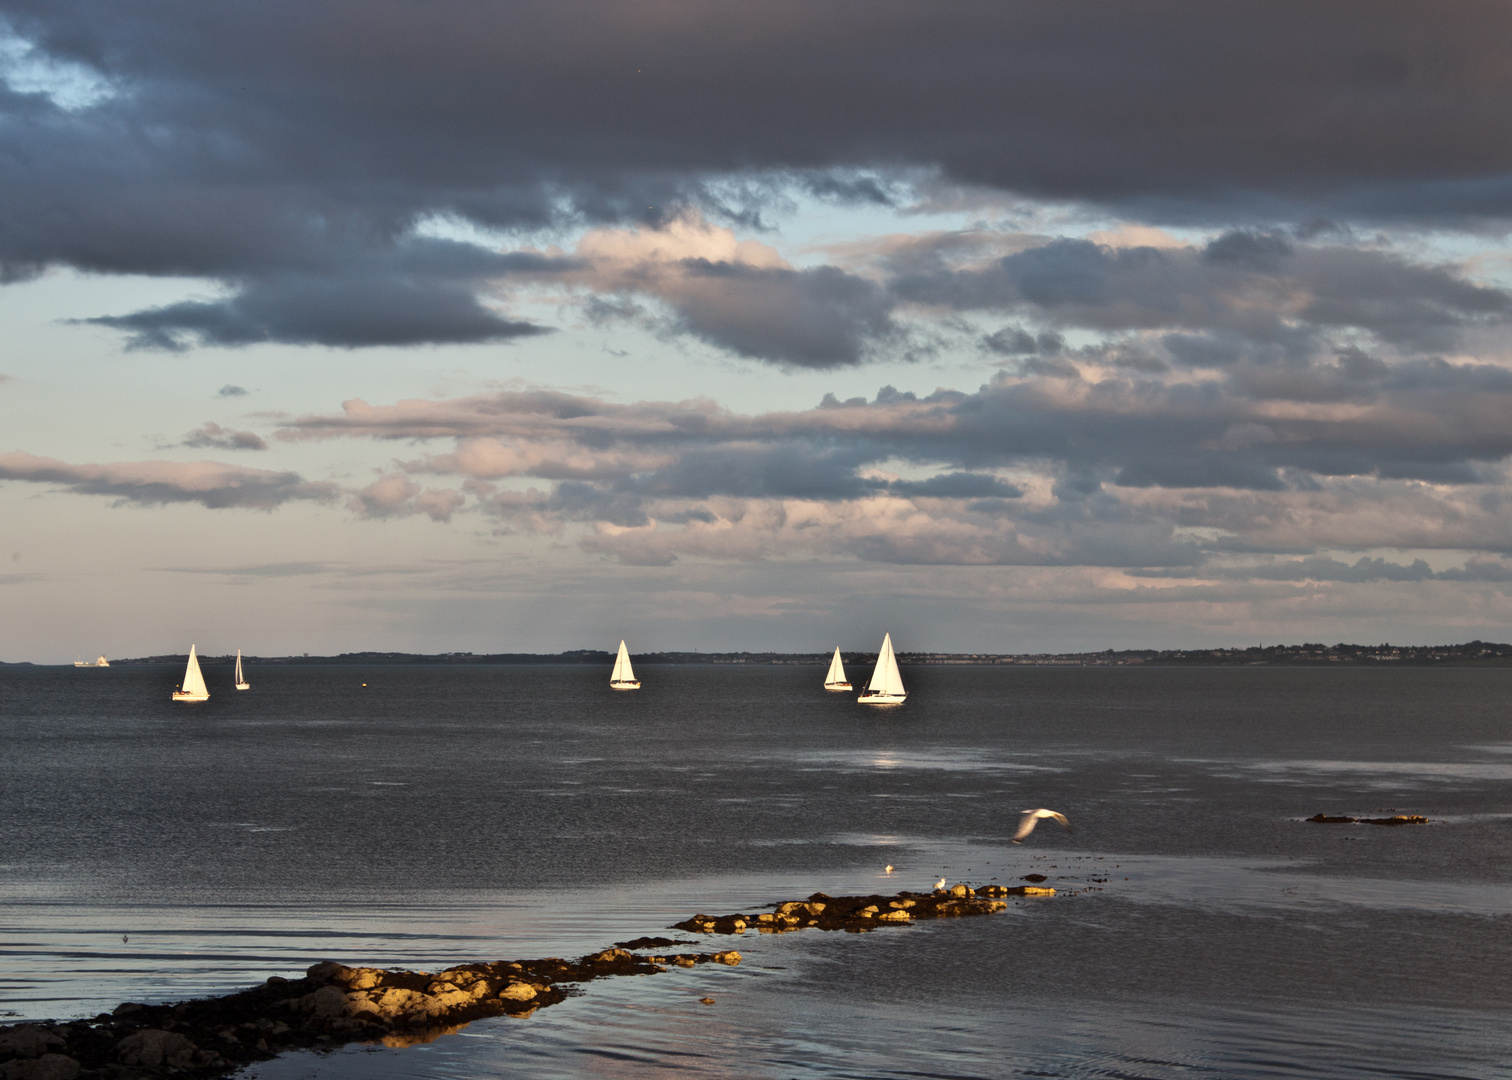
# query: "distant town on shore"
{"points": [[1470, 653]]}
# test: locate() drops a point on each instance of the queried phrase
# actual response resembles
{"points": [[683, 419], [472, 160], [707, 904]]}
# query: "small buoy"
{"points": [[364, 684]]}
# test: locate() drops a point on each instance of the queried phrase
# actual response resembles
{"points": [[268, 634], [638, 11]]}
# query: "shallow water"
{"points": [[445, 814]]}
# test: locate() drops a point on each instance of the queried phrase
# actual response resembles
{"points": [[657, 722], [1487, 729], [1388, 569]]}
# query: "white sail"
{"points": [[241, 680], [886, 687], [194, 688], [835, 679], [623, 677]]}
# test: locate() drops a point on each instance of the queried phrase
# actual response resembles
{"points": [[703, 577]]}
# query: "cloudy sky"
{"points": [[466, 325]]}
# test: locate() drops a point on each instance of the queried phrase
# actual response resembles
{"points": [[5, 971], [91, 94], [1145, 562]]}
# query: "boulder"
{"points": [[361, 1003], [518, 991], [153, 1047], [395, 1002], [28, 1040], [729, 957], [45, 1067], [433, 1006], [361, 978], [327, 1001], [328, 971], [895, 916], [959, 890]]}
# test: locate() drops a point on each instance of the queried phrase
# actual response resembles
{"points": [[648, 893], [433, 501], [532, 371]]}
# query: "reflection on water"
{"points": [[1200, 925]]}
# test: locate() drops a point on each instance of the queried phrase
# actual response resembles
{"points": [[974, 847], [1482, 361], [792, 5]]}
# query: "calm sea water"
{"points": [[423, 816]]}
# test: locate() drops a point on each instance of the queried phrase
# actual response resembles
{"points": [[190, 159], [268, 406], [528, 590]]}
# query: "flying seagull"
{"points": [[1031, 818]]}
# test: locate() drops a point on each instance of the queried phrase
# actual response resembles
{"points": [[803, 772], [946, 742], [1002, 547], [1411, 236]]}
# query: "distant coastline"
{"points": [[1473, 653]]}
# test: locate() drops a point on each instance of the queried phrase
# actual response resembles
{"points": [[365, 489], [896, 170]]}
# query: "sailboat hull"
{"points": [[179, 695], [244, 686], [838, 686], [625, 685], [882, 699]]}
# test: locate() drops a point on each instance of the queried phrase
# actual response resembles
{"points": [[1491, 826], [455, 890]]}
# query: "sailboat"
{"points": [[623, 677], [886, 687], [241, 680], [194, 682], [836, 679]]}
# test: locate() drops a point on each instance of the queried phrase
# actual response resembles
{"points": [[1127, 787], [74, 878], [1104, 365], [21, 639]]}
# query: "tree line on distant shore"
{"points": [[1472, 652]]}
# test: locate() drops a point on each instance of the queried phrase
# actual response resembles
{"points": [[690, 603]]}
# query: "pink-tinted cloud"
{"points": [[211, 484], [395, 495]]}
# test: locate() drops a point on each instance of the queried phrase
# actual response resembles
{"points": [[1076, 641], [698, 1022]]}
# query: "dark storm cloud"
{"points": [[821, 317], [264, 143], [427, 294], [1242, 292]]}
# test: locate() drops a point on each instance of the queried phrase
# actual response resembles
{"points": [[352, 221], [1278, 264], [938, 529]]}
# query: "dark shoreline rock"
{"points": [[1399, 819], [858, 914], [334, 1004]]}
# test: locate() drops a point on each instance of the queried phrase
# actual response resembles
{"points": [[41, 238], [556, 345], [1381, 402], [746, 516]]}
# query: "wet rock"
{"points": [[396, 1001], [1399, 819], [1034, 878], [327, 1001], [43, 1067], [28, 1040], [519, 991], [729, 957], [861, 913], [1324, 819], [650, 943], [154, 1047], [327, 971]]}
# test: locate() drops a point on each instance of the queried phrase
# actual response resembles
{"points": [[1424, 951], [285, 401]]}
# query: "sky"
{"points": [[517, 326]]}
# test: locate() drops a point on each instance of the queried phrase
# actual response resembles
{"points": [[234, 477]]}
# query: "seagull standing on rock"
{"points": [[940, 884], [1031, 818]]}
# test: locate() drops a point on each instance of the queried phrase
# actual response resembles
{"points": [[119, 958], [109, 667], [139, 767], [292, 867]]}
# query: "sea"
{"points": [[422, 816]]}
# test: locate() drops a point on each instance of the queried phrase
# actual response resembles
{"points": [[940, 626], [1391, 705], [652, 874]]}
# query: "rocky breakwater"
{"points": [[858, 914], [333, 1004], [1397, 819]]}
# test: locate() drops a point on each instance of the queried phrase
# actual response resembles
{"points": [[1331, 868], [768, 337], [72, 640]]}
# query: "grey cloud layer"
{"points": [[1132, 470], [288, 149]]}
